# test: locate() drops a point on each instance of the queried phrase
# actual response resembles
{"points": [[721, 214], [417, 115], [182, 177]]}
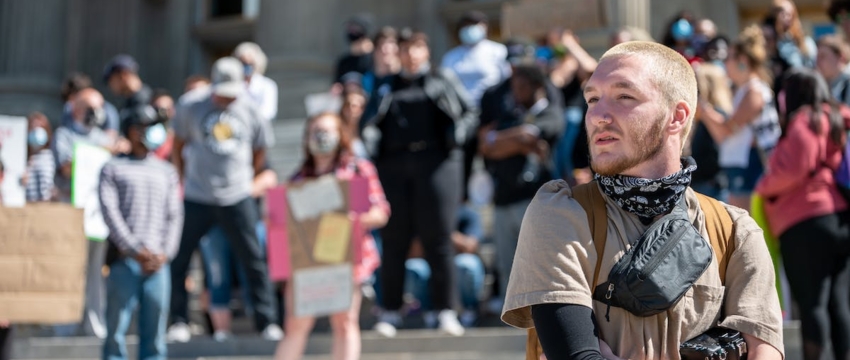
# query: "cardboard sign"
{"points": [[332, 238], [323, 290], [85, 177], [43, 256], [13, 152], [534, 18], [323, 235]]}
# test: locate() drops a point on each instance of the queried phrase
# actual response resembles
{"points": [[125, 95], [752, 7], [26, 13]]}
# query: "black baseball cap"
{"points": [[142, 115], [120, 63]]}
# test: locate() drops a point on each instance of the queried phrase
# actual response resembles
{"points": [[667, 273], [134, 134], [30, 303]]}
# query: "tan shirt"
{"points": [[556, 258]]}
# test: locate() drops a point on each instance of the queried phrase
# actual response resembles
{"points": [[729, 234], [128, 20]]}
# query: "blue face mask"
{"points": [[37, 137], [249, 70], [472, 34], [155, 136], [682, 30]]}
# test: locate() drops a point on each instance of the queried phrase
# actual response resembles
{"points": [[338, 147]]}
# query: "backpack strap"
{"points": [[719, 226], [591, 200]]}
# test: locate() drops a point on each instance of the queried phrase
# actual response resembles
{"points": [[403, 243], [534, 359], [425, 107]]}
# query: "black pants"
{"points": [[816, 256], [239, 223], [6, 342], [424, 192]]}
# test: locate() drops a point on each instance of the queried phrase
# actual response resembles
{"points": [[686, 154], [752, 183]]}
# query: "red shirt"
{"points": [[799, 183]]}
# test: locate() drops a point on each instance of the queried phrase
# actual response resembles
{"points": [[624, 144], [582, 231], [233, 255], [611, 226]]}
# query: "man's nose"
{"points": [[598, 114]]}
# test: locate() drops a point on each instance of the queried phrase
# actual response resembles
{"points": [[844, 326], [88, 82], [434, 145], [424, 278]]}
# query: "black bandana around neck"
{"points": [[648, 198]]}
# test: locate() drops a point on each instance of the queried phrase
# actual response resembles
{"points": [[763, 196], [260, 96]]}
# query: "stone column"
{"points": [[32, 59]]}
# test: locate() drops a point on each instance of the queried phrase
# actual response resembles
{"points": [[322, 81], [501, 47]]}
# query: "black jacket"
{"points": [[445, 90]]}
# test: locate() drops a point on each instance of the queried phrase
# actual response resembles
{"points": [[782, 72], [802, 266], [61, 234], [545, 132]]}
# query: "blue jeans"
{"points": [[219, 263], [127, 288], [470, 280]]}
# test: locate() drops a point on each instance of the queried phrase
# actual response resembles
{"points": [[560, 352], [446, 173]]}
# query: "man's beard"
{"points": [[649, 144]]}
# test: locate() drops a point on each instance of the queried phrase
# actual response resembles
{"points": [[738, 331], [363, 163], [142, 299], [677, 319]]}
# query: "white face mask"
{"points": [[472, 34], [323, 143]]}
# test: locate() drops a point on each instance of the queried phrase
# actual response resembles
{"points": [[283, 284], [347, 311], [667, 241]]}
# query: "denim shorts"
{"points": [[742, 181]]}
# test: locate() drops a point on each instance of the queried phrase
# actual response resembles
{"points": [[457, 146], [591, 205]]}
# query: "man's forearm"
{"points": [[760, 350]]}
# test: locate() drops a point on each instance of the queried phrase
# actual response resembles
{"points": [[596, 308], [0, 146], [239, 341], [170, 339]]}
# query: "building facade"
{"points": [[41, 41]]}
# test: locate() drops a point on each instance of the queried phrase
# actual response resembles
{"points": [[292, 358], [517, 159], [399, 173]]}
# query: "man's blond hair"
{"points": [[670, 72]]}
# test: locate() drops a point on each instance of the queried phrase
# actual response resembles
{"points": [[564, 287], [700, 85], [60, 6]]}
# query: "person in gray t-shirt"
{"points": [[225, 144]]}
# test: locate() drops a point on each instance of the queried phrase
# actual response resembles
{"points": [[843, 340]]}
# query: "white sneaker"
{"points": [[179, 332], [387, 323], [222, 336], [272, 333], [449, 323]]}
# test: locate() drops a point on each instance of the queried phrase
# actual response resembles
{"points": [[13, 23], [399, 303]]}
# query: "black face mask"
{"points": [[95, 117]]}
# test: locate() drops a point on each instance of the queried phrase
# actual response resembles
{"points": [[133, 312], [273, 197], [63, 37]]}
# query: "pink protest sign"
{"points": [[277, 236]]}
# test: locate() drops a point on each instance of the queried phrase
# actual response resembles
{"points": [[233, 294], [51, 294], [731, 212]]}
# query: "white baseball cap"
{"points": [[228, 77]]}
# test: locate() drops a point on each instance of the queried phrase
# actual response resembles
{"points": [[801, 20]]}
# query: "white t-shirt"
{"points": [[479, 66], [734, 152]]}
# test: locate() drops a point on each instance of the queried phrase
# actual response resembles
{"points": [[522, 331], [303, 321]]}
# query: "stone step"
{"points": [[478, 343]]}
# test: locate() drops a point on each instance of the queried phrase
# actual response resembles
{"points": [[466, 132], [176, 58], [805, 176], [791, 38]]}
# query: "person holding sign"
{"points": [[140, 202], [328, 150]]}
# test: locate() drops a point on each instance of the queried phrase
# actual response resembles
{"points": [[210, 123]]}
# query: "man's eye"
{"points": [[592, 100], [625, 97]]}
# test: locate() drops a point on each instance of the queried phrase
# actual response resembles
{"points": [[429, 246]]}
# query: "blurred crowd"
{"points": [[438, 141]]}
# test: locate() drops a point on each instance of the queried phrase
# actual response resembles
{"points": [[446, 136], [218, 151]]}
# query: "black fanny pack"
{"points": [[654, 273]]}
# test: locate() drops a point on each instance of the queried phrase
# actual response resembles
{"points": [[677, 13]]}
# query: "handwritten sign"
{"points": [[323, 290], [332, 238], [13, 152], [85, 178]]}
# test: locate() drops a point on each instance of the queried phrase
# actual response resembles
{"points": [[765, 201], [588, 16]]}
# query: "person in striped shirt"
{"points": [[41, 167], [141, 204]]}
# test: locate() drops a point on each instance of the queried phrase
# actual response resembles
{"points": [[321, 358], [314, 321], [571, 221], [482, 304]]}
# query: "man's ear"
{"points": [[681, 113]]}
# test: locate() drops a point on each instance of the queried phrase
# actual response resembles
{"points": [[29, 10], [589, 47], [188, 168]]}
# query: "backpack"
{"points": [[718, 224]]}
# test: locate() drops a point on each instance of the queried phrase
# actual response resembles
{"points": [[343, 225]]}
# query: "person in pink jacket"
{"points": [[808, 213]]}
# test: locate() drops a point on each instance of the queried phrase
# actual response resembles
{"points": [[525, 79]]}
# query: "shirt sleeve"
{"points": [[174, 215], [376, 191], [179, 123], [63, 147], [751, 304], [551, 124], [268, 109], [110, 206], [554, 251]]}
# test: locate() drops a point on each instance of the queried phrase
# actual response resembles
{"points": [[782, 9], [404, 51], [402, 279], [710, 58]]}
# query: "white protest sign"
{"points": [[85, 178], [315, 198], [325, 290], [13, 152]]}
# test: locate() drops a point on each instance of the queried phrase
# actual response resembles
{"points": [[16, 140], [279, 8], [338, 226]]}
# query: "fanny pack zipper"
{"points": [[668, 247]]}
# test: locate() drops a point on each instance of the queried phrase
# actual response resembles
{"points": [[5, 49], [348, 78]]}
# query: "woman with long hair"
{"points": [[807, 212], [793, 47], [327, 149], [747, 136]]}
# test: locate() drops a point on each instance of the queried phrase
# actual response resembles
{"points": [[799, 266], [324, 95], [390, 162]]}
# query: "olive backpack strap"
{"points": [[719, 226], [591, 200]]}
